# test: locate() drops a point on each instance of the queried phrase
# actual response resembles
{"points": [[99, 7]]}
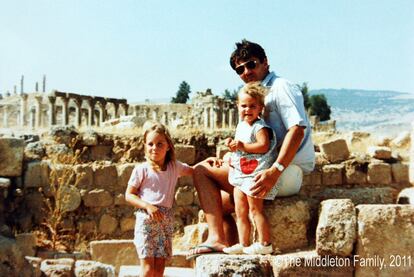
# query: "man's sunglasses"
{"points": [[249, 65]]}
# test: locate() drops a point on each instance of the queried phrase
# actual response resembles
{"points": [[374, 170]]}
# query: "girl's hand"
{"points": [[154, 213], [235, 145], [216, 162]]}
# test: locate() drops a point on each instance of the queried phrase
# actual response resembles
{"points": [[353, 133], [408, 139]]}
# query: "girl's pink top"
{"points": [[157, 187]]}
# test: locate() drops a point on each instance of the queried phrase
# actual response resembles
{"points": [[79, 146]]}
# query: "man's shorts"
{"points": [[290, 181]]}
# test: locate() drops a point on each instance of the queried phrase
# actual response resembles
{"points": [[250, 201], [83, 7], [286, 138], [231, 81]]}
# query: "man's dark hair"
{"points": [[246, 50]]}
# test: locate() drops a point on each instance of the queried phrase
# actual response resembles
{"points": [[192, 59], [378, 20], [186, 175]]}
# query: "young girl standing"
{"points": [[253, 150], [151, 190]]}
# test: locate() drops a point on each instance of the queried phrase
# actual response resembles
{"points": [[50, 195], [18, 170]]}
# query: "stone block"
{"points": [[185, 153], [335, 150], [288, 214], [92, 268], [4, 189], [406, 196], [107, 224], [122, 252], [336, 230], [11, 153], [100, 152], [120, 200], [105, 176], [87, 227], [379, 174], [124, 173], [382, 195], [97, 198], [69, 198], [36, 174], [193, 235], [385, 232], [57, 267], [127, 224], [379, 152], [185, 181], [402, 140], [84, 176], [27, 243], [400, 173], [312, 179], [332, 174], [184, 196], [355, 174], [233, 265]]}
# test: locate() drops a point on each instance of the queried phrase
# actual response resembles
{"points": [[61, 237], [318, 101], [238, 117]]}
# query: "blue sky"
{"points": [[145, 49]]}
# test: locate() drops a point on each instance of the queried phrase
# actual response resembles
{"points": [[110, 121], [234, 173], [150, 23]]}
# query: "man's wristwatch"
{"points": [[279, 166]]}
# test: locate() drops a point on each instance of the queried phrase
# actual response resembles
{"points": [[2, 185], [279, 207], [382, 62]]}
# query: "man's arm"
{"points": [[265, 180]]}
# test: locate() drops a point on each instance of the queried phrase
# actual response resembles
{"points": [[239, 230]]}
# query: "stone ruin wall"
{"points": [[40, 110], [98, 211]]}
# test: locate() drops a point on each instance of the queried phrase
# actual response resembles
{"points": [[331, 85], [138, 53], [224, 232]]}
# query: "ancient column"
{"points": [[165, 118], [206, 112], [231, 116], [23, 108], [78, 107], [91, 109], [65, 110], [154, 114], [44, 83], [52, 110], [212, 118], [125, 108], [32, 118], [116, 107], [5, 116], [146, 113], [38, 116], [224, 117], [102, 113], [21, 84]]}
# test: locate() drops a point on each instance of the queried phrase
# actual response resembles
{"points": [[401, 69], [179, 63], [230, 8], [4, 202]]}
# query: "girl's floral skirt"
{"points": [[154, 238]]}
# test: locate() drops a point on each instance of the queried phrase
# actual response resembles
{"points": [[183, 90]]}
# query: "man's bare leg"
{"points": [[209, 181]]}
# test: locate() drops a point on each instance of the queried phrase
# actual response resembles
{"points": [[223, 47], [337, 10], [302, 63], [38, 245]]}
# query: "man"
{"points": [[285, 113]]}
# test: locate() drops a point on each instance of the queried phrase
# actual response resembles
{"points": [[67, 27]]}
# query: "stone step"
{"points": [[134, 271]]}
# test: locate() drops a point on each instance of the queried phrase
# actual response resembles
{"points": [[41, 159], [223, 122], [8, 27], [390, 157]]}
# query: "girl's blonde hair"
{"points": [[153, 126], [255, 90]]}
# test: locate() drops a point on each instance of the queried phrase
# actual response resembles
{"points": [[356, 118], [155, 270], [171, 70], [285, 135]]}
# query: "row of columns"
{"points": [[36, 113]]}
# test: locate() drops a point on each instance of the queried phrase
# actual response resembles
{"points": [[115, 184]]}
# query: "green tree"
{"points": [[230, 95], [305, 92], [182, 94], [319, 106]]}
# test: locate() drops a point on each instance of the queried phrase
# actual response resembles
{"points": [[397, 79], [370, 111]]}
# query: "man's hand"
{"points": [[264, 181]]}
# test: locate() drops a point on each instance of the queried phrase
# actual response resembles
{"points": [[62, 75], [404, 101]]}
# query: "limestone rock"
{"points": [[34, 151], [335, 150], [11, 258], [290, 214], [11, 153], [27, 243], [312, 179], [124, 173], [233, 265], [70, 198], [193, 235], [36, 174], [355, 173], [336, 230], [400, 173], [386, 232], [379, 152], [84, 176], [184, 196], [402, 140], [127, 224], [107, 224], [381, 195], [332, 174], [105, 175], [379, 173], [91, 268], [185, 153], [97, 198], [90, 138], [58, 267], [63, 134]]}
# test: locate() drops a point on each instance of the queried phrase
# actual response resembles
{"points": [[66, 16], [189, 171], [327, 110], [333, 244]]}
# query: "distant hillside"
{"points": [[381, 111]]}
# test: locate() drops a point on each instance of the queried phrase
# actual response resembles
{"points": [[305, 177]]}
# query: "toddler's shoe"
{"points": [[234, 249], [258, 248]]}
